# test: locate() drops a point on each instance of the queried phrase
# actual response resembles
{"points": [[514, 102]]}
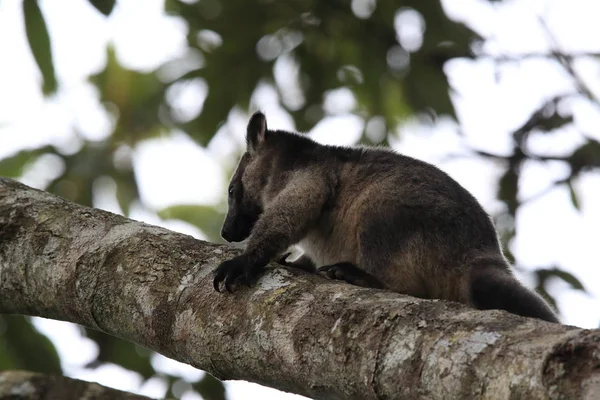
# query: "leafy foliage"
{"points": [[16, 165], [23, 347], [206, 218], [235, 46], [545, 274], [104, 6], [332, 48], [39, 42]]}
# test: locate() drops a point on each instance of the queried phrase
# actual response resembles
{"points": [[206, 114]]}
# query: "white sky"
{"points": [[491, 102]]}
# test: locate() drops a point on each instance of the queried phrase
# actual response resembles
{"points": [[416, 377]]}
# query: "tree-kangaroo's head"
{"points": [[247, 184]]}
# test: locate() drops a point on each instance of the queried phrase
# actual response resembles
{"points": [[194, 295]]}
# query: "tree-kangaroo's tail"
{"points": [[494, 288]]}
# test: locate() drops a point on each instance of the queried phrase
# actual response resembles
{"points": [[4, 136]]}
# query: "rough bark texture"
{"points": [[31, 386], [292, 331]]}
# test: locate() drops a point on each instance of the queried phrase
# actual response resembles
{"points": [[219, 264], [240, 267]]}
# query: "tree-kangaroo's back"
{"points": [[368, 216]]}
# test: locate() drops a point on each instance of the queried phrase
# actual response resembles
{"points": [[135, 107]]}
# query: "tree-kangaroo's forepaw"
{"points": [[350, 273], [239, 269]]}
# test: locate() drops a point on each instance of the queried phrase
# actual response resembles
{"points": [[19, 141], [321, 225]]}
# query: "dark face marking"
{"points": [[243, 210]]}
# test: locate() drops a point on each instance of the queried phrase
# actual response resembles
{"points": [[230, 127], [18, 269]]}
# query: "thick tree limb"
{"points": [[292, 331], [28, 385]]}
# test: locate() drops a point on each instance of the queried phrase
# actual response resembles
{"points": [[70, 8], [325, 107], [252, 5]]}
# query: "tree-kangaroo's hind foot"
{"points": [[350, 273]]}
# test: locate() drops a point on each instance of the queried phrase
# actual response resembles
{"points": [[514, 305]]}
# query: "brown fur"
{"points": [[369, 216]]}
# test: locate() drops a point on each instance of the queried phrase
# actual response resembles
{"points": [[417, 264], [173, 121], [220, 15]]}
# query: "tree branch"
{"points": [[28, 385], [291, 331]]}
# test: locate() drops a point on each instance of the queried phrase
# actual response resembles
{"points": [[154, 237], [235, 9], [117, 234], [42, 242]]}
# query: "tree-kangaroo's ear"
{"points": [[256, 131]]}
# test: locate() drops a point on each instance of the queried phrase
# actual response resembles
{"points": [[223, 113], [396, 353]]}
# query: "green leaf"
{"points": [[554, 121], [586, 156], [570, 279], [574, 197], [121, 352], [508, 189], [81, 170], [14, 166], [545, 273], [24, 347], [210, 388], [137, 96], [104, 6], [39, 42], [206, 218], [127, 190]]}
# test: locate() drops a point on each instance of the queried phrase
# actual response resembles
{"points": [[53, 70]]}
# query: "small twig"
{"points": [[567, 64], [505, 58], [499, 157], [547, 190]]}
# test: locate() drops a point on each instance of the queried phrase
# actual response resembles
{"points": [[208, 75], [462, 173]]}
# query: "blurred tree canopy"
{"points": [[235, 45]]}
